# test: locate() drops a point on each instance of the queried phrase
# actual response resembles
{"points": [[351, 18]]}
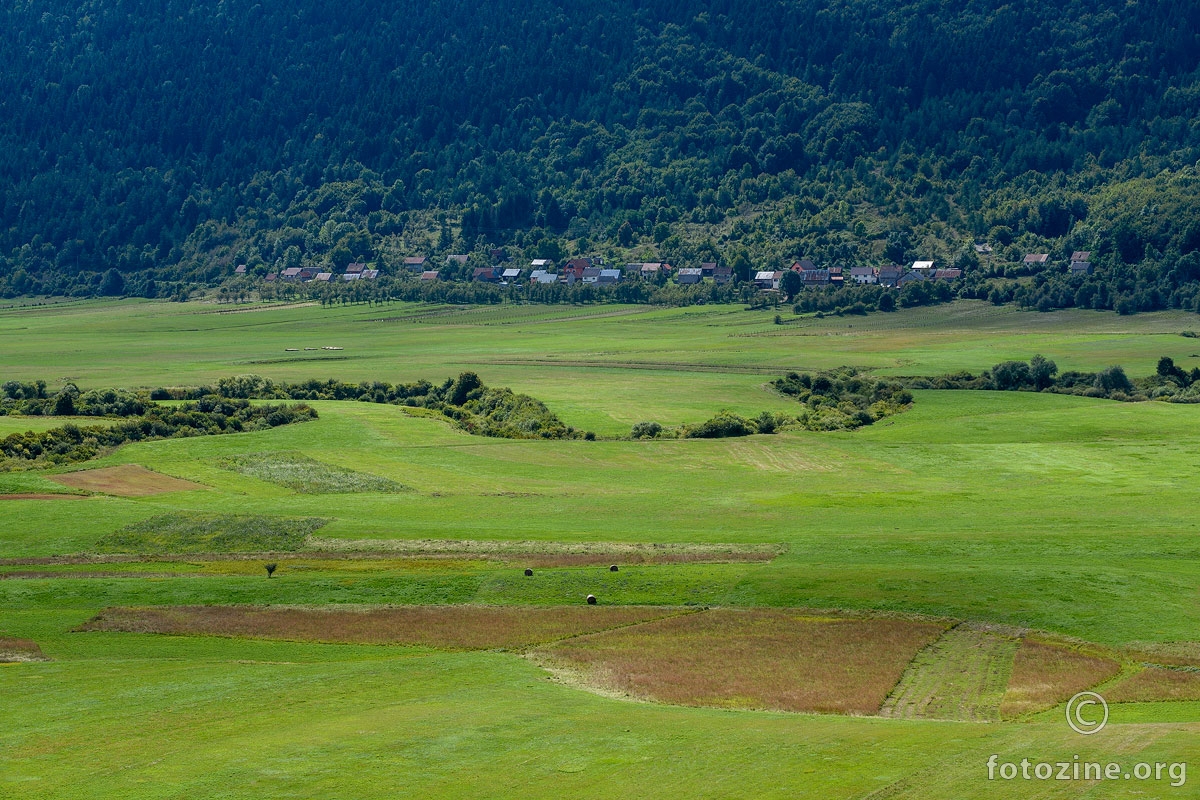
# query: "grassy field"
{"points": [[1070, 517]]}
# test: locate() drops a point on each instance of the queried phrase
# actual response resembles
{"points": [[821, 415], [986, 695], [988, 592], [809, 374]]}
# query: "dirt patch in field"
{"points": [[127, 480], [29, 574], [446, 627], [1155, 684], [766, 659], [35, 496], [1046, 674], [14, 650]]}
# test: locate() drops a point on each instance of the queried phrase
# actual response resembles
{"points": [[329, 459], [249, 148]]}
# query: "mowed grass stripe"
{"points": [[963, 676]]}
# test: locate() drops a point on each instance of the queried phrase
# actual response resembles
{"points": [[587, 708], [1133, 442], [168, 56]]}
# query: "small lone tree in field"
{"points": [[271, 569]]}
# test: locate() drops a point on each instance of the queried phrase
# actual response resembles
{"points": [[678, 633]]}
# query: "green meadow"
{"points": [[1072, 516]]}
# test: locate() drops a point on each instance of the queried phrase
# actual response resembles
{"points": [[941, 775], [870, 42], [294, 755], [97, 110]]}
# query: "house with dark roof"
{"points": [[1081, 255], [609, 276], [803, 265], [949, 274], [1080, 267], [911, 277], [357, 266], [722, 273], [863, 275], [890, 276], [591, 275], [415, 263], [815, 277], [290, 274], [707, 268], [484, 274]]}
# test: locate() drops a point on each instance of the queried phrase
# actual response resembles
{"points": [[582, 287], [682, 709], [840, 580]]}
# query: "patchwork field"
{"points": [[972, 562]]}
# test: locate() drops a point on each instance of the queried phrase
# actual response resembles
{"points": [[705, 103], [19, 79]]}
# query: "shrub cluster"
{"points": [[843, 399], [1169, 383], [209, 416], [473, 406]]}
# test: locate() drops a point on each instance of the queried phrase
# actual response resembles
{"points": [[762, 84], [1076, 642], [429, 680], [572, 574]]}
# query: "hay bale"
{"points": [[528, 572], [591, 598], [613, 568]]}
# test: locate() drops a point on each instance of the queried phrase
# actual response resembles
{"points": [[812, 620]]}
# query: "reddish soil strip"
{"points": [[31, 496], [20, 650], [773, 659], [127, 480], [44, 574], [1046, 674], [448, 627], [1153, 684]]}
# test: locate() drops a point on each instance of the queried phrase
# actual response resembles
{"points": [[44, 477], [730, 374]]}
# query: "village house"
{"points": [[576, 267], [803, 265], [270, 277], [707, 269], [910, 277], [415, 263], [511, 275], [290, 274], [890, 276], [947, 274], [1081, 255], [484, 274], [650, 269], [722, 273], [457, 258], [836, 278], [921, 266], [689, 276], [863, 275], [429, 275], [542, 276], [240, 269], [768, 279], [357, 267], [323, 277], [1080, 267], [609, 276], [1037, 259], [591, 275], [544, 264], [815, 277]]}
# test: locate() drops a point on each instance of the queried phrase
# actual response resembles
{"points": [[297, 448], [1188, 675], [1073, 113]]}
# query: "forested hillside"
{"points": [[148, 145]]}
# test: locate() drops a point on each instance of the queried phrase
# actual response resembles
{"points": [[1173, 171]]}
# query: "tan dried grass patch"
{"points": [[767, 659], [447, 627], [1155, 684], [1046, 674], [15, 650], [126, 480]]}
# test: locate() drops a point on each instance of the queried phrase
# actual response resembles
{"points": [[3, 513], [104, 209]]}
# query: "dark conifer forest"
{"points": [[149, 147]]}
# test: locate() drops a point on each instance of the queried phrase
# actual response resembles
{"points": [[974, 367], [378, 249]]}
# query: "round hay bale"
{"points": [[613, 568], [528, 572], [591, 598]]}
